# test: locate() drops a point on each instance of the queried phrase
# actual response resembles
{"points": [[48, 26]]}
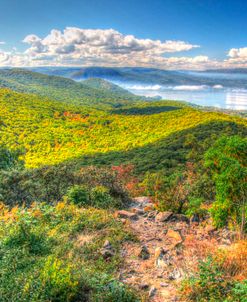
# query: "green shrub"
{"points": [[101, 198], [98, 197], [109, 290], [195, 207], [79, 195], [59, 282], [211, 284], [239, 292]]}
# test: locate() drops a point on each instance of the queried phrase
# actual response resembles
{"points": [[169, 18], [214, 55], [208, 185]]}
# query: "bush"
{"points": [[239, 292], [195, 207], [101, 198], [208, 285], [50, 184], [79, 195], [217, 279], [58, 280], [98, 197], [106, 290], [42, 257]]}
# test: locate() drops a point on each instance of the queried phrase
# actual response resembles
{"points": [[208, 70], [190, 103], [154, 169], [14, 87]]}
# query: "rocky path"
{"points": [[156, 263]]}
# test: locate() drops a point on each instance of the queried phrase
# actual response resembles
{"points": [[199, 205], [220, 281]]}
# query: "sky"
{"points": [[167, 34]]}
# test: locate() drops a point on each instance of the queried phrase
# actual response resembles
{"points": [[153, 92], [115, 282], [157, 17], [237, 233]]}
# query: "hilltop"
{"points": [[107, 86]]}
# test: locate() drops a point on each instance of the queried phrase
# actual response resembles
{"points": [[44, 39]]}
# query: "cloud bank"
{"points": [[87, 47]]}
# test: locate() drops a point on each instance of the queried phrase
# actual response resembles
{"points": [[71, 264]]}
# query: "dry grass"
{"points": [[234, 260], [195, 250]]}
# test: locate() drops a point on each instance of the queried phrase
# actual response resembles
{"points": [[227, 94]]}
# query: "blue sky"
{"points": [[217, 26]]}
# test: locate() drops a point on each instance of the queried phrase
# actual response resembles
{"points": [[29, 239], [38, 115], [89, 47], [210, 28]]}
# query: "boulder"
{"points": [[163, 216]]}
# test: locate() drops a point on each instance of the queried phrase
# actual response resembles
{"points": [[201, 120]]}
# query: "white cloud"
{"points": [[86, 47], [237, 58], [2, 42], [238, 52]]}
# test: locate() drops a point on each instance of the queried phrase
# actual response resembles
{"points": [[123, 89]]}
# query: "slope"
{"points": [[52, 132], [106, 86], [61, 89]]}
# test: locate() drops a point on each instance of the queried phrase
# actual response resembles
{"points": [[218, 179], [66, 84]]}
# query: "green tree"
{"points": [[228, 162]]}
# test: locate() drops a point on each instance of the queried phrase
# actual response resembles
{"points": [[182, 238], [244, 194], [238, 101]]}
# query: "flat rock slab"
{"points": [[126, 215]]}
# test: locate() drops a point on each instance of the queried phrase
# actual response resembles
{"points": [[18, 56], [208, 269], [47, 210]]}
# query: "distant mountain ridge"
{"points": [[147, 75], [64, 89]]}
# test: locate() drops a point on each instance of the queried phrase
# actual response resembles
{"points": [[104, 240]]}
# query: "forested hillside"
{"points": [[106, 86], [50, 132], [62, 89]]}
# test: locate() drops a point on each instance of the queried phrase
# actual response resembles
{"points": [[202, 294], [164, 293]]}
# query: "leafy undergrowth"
{"points": [[52, 253], [217, 275]]}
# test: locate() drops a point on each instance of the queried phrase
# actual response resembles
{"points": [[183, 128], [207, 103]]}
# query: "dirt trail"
{"points": [[157, 262]]}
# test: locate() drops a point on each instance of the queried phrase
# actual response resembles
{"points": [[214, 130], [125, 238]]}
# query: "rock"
{"points": [[195, 218], [163, 216], [107, 245], [107, 251], [163, 284], [151, 215], [174, 237], [152, 292], [148, 207], [142, 200], [138, 211], [179, 218], [144, 286], [144, 253], [174, 275], [162, 258], [158, 255], [126, 215]]}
